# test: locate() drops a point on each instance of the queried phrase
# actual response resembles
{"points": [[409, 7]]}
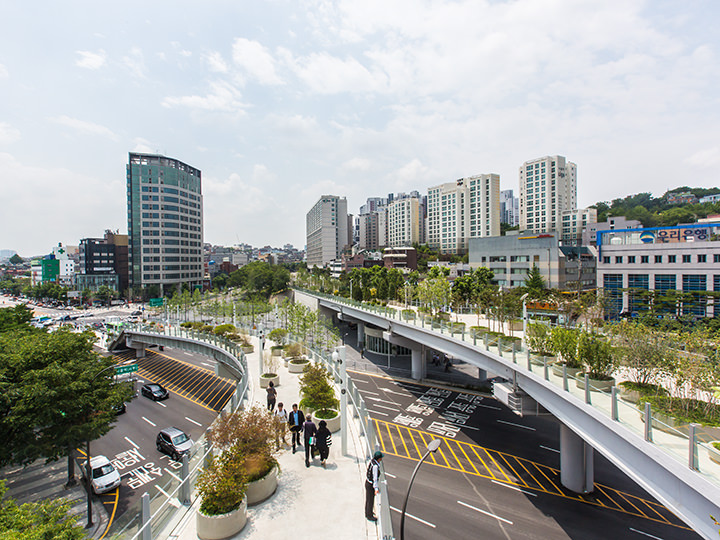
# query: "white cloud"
{"points": [[356, 164], [83, 126], [143, 146], [135, 62], [709, 157], [8, 134], [216, 63], [222, 96], [327, 74], [91, 60], [4, 73], [256, 61]]}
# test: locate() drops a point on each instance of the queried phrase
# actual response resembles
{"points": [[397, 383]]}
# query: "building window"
{"points": [[702, 258], [606, 260], [613, 284], [658, 259], [716, 258], [631, 259], [686, 258], [672, 258], [696, 284], [618, 260]]}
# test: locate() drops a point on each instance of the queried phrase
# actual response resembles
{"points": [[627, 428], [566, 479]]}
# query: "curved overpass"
{"points": [[584, 427]]}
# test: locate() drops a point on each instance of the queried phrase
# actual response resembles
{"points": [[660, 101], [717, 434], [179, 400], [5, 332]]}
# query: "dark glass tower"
{"points": [[165, 222]]}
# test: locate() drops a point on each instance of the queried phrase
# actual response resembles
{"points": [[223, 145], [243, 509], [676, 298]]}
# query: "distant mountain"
{"points": [[670, 209], [6, 253]]}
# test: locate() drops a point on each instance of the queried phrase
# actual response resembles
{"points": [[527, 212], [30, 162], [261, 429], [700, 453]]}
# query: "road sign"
{"points": [[157, 302], [128, 368]]}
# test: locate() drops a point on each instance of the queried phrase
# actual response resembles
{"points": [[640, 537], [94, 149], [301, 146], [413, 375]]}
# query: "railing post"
{"points": [[565, 378], [587, 389], [614, 403], [185, 483], [208, 453], [499, 346], [514, 350], [648, 422], [545, 368], [693, 450], [145, 516], [486, 339], [475, 338]]}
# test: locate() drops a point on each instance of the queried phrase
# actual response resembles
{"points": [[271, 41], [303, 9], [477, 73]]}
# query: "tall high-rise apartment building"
{"points": [[327, 230], [509, 208], [368, 231], [548, 187], [165, 222], [403, 222], [464, 209]]}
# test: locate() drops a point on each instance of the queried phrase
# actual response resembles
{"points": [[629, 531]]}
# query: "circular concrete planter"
{"points": [[596, 385], [298, 365], [557, 369], [247, 349], [262, 489], [333, 424], [276, 350], [265, 379], [222, 526], [536, 359]]}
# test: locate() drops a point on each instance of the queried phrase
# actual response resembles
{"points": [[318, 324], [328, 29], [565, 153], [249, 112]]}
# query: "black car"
{"points": [[174, 442], [154, 391], [120, 408]]}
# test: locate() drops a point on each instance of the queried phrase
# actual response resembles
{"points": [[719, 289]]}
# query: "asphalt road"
{"points": [[496, 474]]}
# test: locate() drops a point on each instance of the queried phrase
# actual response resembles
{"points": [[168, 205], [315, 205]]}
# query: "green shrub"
{"points": [[186, 324], [223, 483], [207, 328], [316, 390], [293, 350], [278, 335], [223, 329], [596, 354], [538, 337]]}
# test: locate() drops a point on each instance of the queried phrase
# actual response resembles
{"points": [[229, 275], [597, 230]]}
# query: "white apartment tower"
{"points": [[464, 209], [403, 222], [548, 187], [327, 230]]}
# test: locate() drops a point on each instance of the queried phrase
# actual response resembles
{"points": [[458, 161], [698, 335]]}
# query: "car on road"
{"points": [[136, 313], [104, 475], [154, 391], [173, 442]]}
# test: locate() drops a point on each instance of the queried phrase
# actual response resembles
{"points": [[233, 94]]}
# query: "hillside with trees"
{"points": [[657, 211]]}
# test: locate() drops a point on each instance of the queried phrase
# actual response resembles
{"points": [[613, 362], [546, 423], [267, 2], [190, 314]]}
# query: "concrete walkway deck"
{"points": [[309, 502]]}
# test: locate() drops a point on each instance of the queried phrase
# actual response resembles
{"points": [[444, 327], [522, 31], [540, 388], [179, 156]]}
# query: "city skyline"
{"points": [[285, 101]]}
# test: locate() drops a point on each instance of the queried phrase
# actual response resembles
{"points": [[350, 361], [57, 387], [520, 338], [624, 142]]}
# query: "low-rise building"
{"points": [[404, 258]]}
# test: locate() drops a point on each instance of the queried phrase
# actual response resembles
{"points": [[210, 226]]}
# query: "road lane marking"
{"points": [[206, 364], [517, 425], [486, 513], [414, 517], [646, 534], [382, 400], [193, 421], [175, 476], [134, 445], [161, 404], [377, 412], [361, 380], [369, 392], [390, 475], [388, 408], [514, 488], [488, 406], [171, 500], [551, 449], [148, 421], [404, 394]]}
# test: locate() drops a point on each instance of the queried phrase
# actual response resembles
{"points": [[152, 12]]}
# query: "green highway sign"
{"points": [[157, 302], [129, 368]]}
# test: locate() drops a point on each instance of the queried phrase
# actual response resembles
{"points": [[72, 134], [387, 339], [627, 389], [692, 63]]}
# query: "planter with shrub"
{"points": [[222, 486], [539, 340], [318, 395], [596, 354]]}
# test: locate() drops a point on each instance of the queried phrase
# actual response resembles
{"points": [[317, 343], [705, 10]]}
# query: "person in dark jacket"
{"points": [[309, 436], [324, 440], [296, 419]]}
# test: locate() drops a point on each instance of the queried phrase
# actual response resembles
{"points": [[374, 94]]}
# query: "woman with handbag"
{"points": [[324, 440], [310, 438]]}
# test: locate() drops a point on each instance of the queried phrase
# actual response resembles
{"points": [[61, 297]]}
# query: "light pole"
{"points": [[524, 301], [432, 447], [339, 358]]}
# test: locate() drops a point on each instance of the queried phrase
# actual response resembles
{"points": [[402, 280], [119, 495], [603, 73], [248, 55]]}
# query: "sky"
{"points": [[282, 101]]}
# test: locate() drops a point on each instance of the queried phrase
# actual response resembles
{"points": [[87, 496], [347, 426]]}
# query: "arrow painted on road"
{"points": [[383, 400]]}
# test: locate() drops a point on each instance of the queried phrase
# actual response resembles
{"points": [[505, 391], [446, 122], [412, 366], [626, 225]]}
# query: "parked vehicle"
{"points": [[104, 475]]}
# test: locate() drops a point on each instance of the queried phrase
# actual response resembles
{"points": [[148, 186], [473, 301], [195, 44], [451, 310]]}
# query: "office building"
{"points": [[103, 261], [640, 269], [165, 223], [548, 187], [461, 210], [57, 267], [574, 222], [589, 234], [511, 257], [327, 230]]}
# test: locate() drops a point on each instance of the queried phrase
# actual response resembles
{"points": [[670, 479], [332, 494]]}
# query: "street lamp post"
{"points": [[432, 447], [339, 358], [525, 316]]}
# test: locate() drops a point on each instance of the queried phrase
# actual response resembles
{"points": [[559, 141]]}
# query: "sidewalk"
{"points": [[309, 502]]}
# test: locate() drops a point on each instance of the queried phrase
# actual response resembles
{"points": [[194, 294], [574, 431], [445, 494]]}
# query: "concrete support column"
{"points": [[418, 363], [482, 374], [361, 334], [576, 462]]}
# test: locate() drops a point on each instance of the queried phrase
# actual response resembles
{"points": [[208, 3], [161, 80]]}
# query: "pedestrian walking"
{"points": [[281, 416], [271, 395], [296, 419], [372, 485], [310, 439], [324, 441]]}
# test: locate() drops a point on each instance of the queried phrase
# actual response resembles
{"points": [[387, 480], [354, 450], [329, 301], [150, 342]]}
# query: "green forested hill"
{"points": [[656, 211]]}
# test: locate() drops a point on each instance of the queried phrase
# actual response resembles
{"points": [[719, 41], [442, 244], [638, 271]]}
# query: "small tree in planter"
{"points": [[222, 486], [539, 340], [318, 395], [278, 335], [296, 362], [565, 343], [596, 354], [252, 433], [224, 329], [270, 365]]}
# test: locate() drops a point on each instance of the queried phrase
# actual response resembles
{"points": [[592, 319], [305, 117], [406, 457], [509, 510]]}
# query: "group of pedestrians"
{"points": [[316, 439]]}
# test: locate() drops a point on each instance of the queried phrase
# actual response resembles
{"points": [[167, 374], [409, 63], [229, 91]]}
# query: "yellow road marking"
{"points": [[112, 516], [517, 476], [468, 457], [539, 468], [492, 475], [497, 465], [631, 504], [403, 441], [152, 378], [392, 439]]}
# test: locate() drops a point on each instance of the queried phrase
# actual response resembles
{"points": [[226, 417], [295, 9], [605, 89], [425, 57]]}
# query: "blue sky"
{"points": [[279, 102]]}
